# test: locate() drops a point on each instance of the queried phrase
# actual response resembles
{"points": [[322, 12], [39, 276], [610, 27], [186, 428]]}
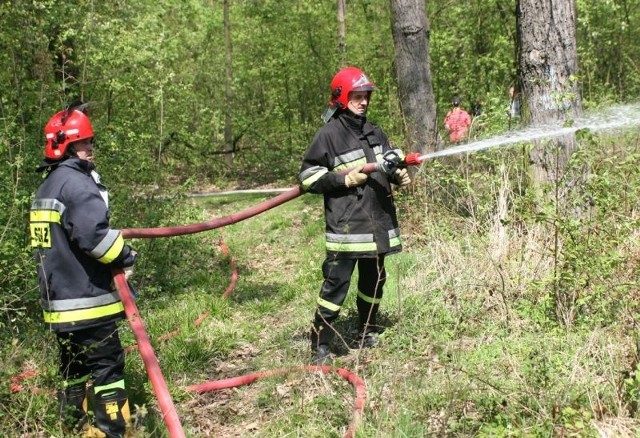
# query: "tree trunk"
{"points": [[229, 146], [415, 90], [548, 64]]}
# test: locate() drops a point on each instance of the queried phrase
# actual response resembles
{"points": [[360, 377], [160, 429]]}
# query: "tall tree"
{"points": [[548, 64], [410, 30]]}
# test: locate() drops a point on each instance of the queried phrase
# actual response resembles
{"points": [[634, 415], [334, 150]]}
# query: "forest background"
{"points": [[477, 344]]}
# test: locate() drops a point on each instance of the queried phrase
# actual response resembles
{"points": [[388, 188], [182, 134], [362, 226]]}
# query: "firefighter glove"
{"points": [[356, 177], [401, 177], [126, 258]]}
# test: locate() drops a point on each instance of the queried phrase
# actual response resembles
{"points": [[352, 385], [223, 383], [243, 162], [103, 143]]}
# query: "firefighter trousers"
{"points": [[337, 278], [95, 353]]}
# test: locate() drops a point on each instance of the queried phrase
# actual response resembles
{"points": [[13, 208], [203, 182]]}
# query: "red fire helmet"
{"points": [[64, 128], [345, 81]]}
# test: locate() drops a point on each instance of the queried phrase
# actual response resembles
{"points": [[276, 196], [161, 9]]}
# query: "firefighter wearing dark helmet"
{"points": [[361, 227], [75, 250]]}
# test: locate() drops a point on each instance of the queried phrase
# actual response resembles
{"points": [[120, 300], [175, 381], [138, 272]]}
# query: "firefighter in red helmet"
{"points": [[361, 227], [75, 250]]}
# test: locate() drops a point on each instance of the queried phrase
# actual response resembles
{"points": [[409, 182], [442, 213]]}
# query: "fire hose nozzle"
{"points": [[412, 159], [391, 161]]}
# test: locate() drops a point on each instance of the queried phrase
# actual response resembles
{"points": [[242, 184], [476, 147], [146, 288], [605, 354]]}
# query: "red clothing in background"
{"points": [[457, 123]]}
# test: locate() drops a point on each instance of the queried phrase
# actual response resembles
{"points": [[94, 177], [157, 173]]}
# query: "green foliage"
{"points": [[607, 51], [591, 251], [473, 57], [476, 276]]}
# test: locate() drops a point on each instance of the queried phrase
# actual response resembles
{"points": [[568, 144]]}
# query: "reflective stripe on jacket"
{"points": [[74, 248], [360, 221]]}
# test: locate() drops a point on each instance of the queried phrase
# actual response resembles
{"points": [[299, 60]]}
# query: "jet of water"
{"points": [[611, 118]]}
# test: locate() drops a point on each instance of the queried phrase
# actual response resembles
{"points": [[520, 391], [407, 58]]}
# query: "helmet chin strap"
{"points": [[328, 113]]}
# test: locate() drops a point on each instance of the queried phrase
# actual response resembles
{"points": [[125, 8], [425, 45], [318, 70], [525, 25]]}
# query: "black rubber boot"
{"points": [[321, 336], [72, 407], [367, 314], [321, 333], [368, 327], [111, 411], [321, 355], [368, 339]]}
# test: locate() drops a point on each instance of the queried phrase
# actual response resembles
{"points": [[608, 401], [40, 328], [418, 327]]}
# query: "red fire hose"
{"points": [[169, 414], [165, 402], [234, 271], [179, 230], [357, 382], [150, 361], [160, 388]]}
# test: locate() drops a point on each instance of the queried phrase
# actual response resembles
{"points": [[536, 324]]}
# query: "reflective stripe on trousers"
{"points": [[337, 278]]}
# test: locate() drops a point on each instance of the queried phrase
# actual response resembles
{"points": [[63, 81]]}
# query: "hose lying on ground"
{"points": [[167, 408], [151, 363]]}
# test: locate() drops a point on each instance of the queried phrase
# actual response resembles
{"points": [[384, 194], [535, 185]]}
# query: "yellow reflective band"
{"points": [[395, 241], [352, 165], [117, 384], [45, 216], [368, 299], [113, 252], [308, 182], [328, 305], [82, 314], [351, 247]]}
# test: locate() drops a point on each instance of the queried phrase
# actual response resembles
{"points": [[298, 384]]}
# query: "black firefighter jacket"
{"points": [[75, 248], [361, 222]]}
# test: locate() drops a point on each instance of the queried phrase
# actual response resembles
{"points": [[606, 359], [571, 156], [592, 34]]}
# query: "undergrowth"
{"points": [[474, 345]]}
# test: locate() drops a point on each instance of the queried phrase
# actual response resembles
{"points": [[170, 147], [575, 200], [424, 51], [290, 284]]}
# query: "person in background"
{"points": [[476, 109], [75, 250], [361, 227], [457, 121]]}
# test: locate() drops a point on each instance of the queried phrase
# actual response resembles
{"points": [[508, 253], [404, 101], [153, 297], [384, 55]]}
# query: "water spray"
{"points": [[613, 118]]}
